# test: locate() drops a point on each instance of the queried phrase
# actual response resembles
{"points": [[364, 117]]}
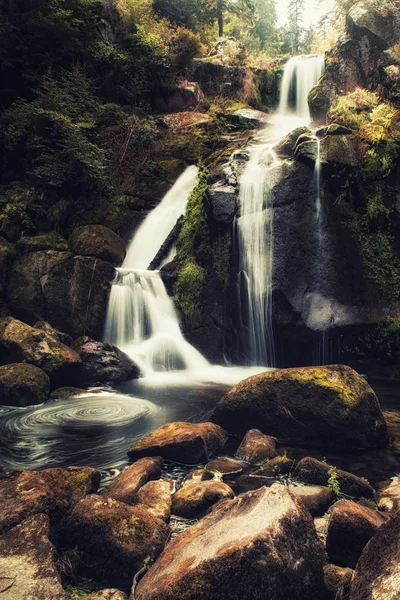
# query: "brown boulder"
{"points": [[261, 544], [23, 385], [188, 443], [196, 476], [280, 465], [125, 487], [317, 499], [351, 526], [224, 466], [389, 496], [98, 241], [103, 362], [193, 499], [337, 582], [256, 447], [156, 497]]}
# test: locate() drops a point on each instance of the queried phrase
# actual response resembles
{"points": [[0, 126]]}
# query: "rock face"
{"points": [[259, 544], [317, 499], [156, 497], [98, 241], [256, 447], [313, 471], [23, 385], [189, 443], [222, 202], [102, 362], [195, 498], [377, 576], [125, 487], [113, 539], [324, 406], [27, 569]]}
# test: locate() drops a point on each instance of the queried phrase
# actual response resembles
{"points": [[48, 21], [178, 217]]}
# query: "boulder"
{"points": [[23, 385], [256, 447], [286, 146], [182, 121], [377, 575], [99, 242], [22, 343], [224, 466], [382, 22], [65, 393], [27, 563], [114, 540], [156, 497], [103, 362], [313, 471], [389, 496], [63, 337], [188, 443], [351, 526], [316, 498], [51, 491], [334, 150], [280, 465], [46, 241], [250, 118], [337, 582], [196, 498], [261, 544], [186, 95], [110, 594], [6, 256], [330, 406], [222, 202], [196, 476], [125, 487]]}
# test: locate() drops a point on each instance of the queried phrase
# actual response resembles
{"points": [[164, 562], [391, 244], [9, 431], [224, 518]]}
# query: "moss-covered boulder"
{"points": [[334, 150], [128, 483], [196, 498], [98, 241], [280, 465], [20, 342], [65, 393], [103, 362], [46, 241], [23, 385], [323, 406]]}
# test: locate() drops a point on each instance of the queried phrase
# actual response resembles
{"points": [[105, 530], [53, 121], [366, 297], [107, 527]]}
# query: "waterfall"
{"points": [[141, 317], [300, 76], [317, 177]]}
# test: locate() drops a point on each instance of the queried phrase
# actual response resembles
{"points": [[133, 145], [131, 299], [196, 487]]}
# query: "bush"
{"points": [[185, 45]]}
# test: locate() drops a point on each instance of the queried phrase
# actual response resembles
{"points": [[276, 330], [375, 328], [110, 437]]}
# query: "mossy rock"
{"points": [[322, 406], [195, 498], [46, 241], [98, 241], [23, 385]]}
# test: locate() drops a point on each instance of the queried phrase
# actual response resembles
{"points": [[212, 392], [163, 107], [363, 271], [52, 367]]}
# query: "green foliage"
{"points": [[189, 288], [185, 46], [222, 258], [333, 483]]}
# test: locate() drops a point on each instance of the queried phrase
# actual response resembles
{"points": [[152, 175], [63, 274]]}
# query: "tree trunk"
{"points": [[220, 8]]}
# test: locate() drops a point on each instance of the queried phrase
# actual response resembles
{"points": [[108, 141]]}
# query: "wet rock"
{"points": [[188, 443], [21, 343], [334, 150], [314, 405], [286, 146], [280, 465], [222, 201], [196, 498], [156, 497], [224, 466], [125, 487], [337, 582], [317, 499], [99, 242], [248, 117], [259, 544], [51, 491], [23, 385], [256, 447], [351, 526], [389, 496], [65, 393], [46, 241], [313, 471], [196, 476], [114, 539], [27, 557], [103, 362], [377, 575]]}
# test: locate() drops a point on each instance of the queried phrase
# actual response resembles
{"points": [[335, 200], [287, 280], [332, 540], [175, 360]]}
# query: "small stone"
{"points": [[125, 487], [256, 447], [280, 465], [225, 466], [195, 498], [156, 497]]}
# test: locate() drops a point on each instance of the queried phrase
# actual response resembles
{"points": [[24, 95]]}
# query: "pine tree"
{"points": [[296, 9]]}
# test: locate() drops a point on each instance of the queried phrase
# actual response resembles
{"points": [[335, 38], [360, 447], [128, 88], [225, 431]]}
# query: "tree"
{"points": [[296, 8], [265, 27], [309, 40]]}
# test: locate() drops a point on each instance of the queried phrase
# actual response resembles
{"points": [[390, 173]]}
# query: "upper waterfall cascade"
{"points": [[300, 76]]}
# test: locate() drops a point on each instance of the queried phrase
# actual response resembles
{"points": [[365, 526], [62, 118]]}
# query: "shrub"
{"points": [[185, 45]]}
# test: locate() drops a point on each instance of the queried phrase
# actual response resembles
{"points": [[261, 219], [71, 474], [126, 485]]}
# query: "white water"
{"points": [[317, 177], [300, 76]]}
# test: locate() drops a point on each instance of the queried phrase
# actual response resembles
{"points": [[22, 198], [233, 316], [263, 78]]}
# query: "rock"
{"points": [[197, 476], [76, 293], [313, 471], [46, 241], [222, 202], [248, 117], [21, 343], [182, 121], [389, 496], [27, 563], [351, 526], [224, 466], [382, 22], [377, 575], [65, 393], [103, 362], [280, 465], [63, 337], [114, 540], [125, 487], [186, 95], [196, 498], [110, 594], [51, 491], [156, 497], [317, 499], [6, 256], [23, 385], [334, 150], [256, 447], [314, 405], [261, 544], [286, 146], [188, 443], [337, 582], [99, 242]]}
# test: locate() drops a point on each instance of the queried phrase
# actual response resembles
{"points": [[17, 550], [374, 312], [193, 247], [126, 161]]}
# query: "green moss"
{"points": [[189, 288], [222, 258]]}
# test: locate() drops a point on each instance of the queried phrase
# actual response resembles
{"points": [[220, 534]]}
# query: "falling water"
{"points": [[317, 177], [300, 76]]}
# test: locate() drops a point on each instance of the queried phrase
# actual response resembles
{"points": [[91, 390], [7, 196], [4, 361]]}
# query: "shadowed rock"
{"points": [[316, 499], [256, 447], [23, 385], [102, 362], [195, 498], [125, 487], [337, 582], [98, 241]]}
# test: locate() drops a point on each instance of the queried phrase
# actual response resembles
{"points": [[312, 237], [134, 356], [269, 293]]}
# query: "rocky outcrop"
{"points": [[316, 499], [125, 487], [188, 443], [185, 96], [286, 146], [99, 242], [259, 544], [23, 385], [103, 362], [256, 447], [222, 202], [156, 497], [323, 406], [196, 498]]}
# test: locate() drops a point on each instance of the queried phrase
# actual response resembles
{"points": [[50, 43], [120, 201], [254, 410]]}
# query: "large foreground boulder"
{"points": [[314, 405], [103, 362], [27, 563], [188, 443], [23, 385], [98, 241], [261, 544], [126, 485]]}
